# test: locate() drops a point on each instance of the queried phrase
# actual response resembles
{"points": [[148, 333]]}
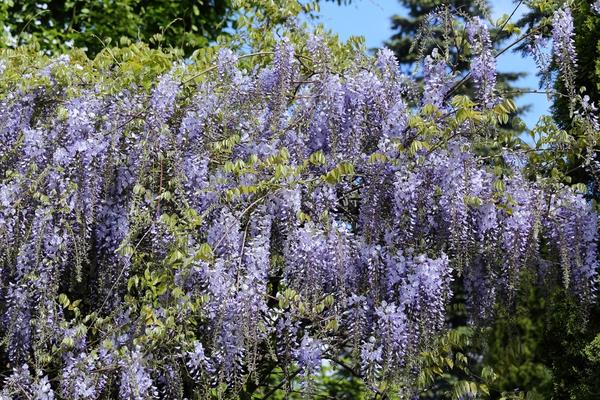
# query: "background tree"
{"points": [[55, 25], [409, 28], [92, 25], [416, 36]]}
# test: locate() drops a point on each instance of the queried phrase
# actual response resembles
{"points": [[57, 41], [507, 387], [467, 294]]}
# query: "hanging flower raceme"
{"points": [[483, 63], [436, 79], [563, 47], [194, 233]]}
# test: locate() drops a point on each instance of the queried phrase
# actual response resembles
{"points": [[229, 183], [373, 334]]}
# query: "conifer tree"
{"points": [[429, 24]]}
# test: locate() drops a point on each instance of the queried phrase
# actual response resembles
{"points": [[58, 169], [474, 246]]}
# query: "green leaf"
{"points": [[63, 300], [204, 252], [317, 158]]}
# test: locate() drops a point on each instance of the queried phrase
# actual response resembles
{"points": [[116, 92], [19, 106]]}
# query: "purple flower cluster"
{"points": [[135, 382], [20, 384], [436, 79], [538, 49], [574, 227], [563, 47], [483, 64], [309, 355]]}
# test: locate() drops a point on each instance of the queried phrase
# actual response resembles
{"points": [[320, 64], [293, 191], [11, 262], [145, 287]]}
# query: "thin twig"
{"points": [[280, 384], [122, 271], [510, 17]]}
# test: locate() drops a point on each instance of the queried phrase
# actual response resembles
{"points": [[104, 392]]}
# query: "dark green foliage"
{"points": [[334, 382], [514, 345], [544, 347], [56, 25], [569, 346]]}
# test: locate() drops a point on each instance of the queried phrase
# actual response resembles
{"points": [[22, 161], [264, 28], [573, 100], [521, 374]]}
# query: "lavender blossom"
{"points": [[371, 359], [538, 49], [309, 355], [79, 379], [42, 390], [198, 362], [436, 80], [563, 48], [483, 64], [391, 327], [135, 383]]}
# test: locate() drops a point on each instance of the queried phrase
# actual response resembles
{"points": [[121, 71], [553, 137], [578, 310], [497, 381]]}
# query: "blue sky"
{"points": [[371, 19]]}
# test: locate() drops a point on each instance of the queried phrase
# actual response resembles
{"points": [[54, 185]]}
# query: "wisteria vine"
{"points": [[191, 238]]}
